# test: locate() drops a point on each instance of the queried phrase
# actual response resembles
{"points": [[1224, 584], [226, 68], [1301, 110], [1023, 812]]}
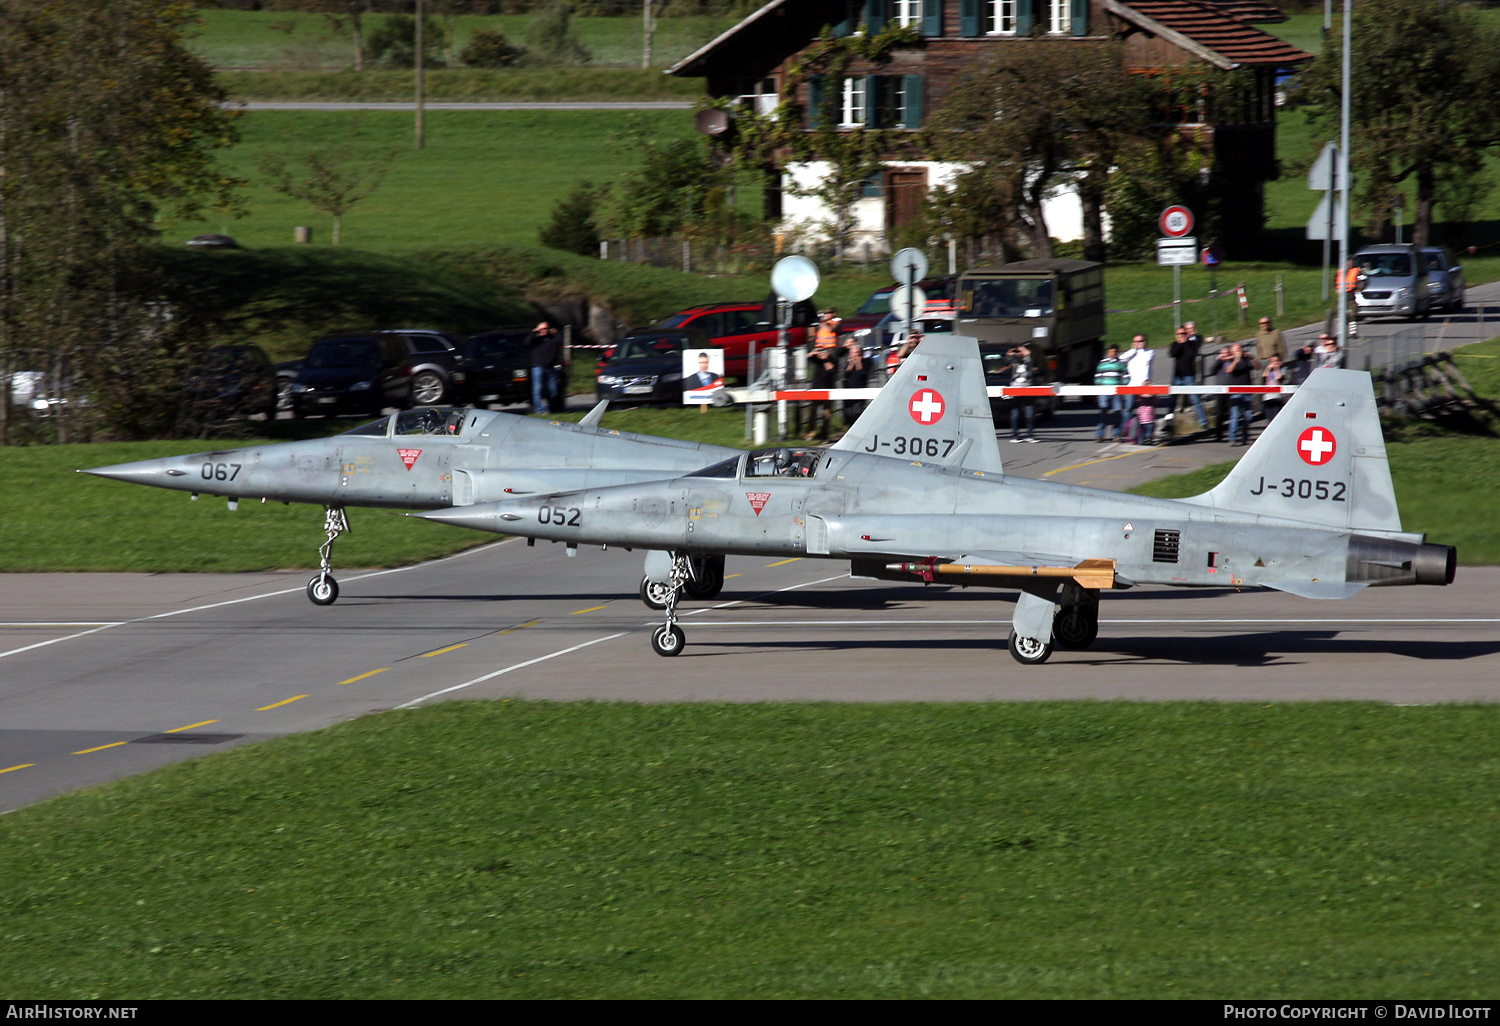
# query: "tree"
{"points": [[331, 178], [551, 37], [107, 126], [573, 225], [1423, 104], [394, 43], [1034, 118], [346, 17]]}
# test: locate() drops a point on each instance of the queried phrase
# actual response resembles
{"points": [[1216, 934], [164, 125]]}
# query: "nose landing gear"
{"points": [[668, 639], [323, 590]]}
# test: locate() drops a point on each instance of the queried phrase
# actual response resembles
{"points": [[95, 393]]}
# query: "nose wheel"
{"points": [[668, 639], [323, 590]]}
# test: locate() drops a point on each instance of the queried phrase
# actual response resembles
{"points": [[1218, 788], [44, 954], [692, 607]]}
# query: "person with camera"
{"points": [[1022, 374]]}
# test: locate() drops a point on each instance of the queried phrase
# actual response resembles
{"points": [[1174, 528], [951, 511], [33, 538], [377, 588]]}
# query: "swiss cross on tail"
{"points": [[927, 407], [758, 500], [409, 456], [1316, 446]]}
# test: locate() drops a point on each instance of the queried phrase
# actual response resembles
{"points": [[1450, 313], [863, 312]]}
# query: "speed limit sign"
{"points": [[1176, 222]]}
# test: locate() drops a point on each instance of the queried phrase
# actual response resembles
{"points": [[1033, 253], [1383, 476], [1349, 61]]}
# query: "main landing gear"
{"points": [[706, 580], [1073, 626], [668, 639], [323, 590]]}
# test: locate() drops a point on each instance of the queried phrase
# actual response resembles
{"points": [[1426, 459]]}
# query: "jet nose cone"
{"points": [[481, 518], [157, 472]]}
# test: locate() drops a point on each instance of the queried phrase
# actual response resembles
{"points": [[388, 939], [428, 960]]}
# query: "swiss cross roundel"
{"points": [[927, 407], [1316, 446]]}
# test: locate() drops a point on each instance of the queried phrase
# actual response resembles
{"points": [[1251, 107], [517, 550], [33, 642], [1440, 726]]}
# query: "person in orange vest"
{"points": [[825, 363], [1351, 280]]}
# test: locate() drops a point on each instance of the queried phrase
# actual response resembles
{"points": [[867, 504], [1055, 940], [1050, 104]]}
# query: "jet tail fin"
{"points": [[1321, 460], [934, 408]]}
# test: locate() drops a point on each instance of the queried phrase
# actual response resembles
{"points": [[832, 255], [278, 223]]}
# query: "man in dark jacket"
{"points": [[546, 351], [1184, 354], [1237, 366]]}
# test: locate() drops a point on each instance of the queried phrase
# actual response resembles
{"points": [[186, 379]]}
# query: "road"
{"points": [[106, 675]]}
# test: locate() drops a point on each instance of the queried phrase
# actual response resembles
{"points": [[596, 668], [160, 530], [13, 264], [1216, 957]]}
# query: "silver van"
{"points": [[1395, 282]]}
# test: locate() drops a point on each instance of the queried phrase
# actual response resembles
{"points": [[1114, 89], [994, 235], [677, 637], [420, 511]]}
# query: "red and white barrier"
{"points": [[741, 395]]}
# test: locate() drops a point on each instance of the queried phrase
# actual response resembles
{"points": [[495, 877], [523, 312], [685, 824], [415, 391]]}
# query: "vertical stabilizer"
{"points": [[934, 408], [1321, 461]]}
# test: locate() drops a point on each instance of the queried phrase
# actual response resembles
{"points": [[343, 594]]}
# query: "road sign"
{"points": [[1176, 222], [1319, 226], [909, 266], [794, 278], [1320, 177], [1212, 256], [1177, 252], [899, 300]]}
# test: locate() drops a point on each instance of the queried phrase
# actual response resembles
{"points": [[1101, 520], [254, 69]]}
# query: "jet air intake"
{"points": [[1382, 561]]}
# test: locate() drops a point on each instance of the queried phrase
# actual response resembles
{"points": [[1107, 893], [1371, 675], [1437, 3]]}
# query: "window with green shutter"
{"points": [[815, 101], [932, 18], [968, 18], [911, 101], [1080, 17]]}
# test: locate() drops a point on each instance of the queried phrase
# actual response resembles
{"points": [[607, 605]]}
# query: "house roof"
{"points": [[762, 19], [1249, 10], [1209, 30]]}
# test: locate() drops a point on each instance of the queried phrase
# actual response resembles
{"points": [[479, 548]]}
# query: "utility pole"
{"points": [[648, 30], [421, 59], [1344, 294]]}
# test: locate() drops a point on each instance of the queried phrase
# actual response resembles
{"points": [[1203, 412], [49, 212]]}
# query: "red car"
{"points": [[733, 327]]}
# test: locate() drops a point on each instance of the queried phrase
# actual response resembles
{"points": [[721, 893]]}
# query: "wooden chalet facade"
{"points": [[753, 62]]}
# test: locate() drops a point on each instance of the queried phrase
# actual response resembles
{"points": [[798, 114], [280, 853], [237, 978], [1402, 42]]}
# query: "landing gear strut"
{"points": [[1077, 622], [323, 590], [668, 639], [705, 581]]}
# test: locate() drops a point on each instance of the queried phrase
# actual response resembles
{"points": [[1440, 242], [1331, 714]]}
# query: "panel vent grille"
{"points": [[1164, 548]]}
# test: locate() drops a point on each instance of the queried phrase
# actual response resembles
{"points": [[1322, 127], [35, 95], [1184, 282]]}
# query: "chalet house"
{"points": [[753, 61]]}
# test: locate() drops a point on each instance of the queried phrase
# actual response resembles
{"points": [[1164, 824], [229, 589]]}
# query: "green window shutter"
{"points": [[874, 16], [1080, 17], [968, 17], [913, 101], [1023, 17], [815, 102], [877, 102], [932, 18], [845, 26]]}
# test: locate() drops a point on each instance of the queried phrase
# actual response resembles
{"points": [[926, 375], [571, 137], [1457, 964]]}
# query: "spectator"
{"points": [[1237, 366], [1268, 342], [1184, 354], [1274, 374], [856, 375], [1329, 354], [1138, 372], [1111, 371], [1022, 374], [546, 353]]}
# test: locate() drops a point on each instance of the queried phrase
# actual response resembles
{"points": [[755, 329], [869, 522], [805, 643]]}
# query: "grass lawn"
{"points": [[467, 85], [1040, 850], [287, 40]]}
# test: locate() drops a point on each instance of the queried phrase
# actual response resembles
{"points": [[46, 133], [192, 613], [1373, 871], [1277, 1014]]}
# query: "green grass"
{"points": [[545, 84], [76, 522], [1043, 850], [252, 39]]}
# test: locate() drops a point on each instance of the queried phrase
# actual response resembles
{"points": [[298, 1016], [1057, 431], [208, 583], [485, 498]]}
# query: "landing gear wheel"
{"points": [[654, 593], [708, 579], [668, 640], [323, 590], [1075, 628], [1029, 651]]}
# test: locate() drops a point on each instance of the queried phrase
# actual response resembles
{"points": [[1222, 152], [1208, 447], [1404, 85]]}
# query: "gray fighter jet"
{"points": [[431, 458], [915, 492]]}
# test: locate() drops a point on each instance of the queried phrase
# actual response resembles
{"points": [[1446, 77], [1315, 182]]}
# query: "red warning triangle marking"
{"points": [[758, 500], [409, 456]]}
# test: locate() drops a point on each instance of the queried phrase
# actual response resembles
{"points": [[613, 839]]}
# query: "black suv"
{"points": [[434, 355], [353, 374], [495, 367]]}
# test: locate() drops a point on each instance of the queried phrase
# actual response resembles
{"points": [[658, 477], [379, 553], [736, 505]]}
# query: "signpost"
{"points": [[1212, 257], [793, 279], [908, 267], [1176, 249], [1327, 222]]}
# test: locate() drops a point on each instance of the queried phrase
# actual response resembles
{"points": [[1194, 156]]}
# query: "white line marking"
{"points": [[508, 669], [987, 623], [63, 623], [248, 598], [793, 587]]}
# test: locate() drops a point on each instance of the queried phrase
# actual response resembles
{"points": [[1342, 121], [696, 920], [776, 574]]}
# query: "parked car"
{"points": [[734, 328], [353, 374], [232, 382], [645, 367], [1445, 279], [1395, 282], [494, 366], [434, 355]]}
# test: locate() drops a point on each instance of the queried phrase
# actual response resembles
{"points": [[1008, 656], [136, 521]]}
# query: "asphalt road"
{"points": [[105, 675]]}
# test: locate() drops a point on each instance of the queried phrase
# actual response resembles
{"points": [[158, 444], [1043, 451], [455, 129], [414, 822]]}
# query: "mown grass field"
{"points": [[1041, 850], [466, 85], [288, 40]]}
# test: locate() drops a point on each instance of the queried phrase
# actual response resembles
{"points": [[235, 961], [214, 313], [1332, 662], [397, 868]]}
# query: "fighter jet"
{"points": [[915, 492], [433, 457]]}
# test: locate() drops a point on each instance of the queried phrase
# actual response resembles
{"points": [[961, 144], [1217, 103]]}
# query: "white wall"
{"points": [[1062, 209]]}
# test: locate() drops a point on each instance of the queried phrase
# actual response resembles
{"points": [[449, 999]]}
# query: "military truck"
{"points": [[1054, 306]]}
